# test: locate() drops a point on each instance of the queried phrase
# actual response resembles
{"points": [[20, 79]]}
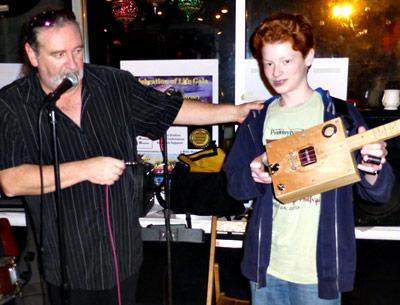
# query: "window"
{"points": [[365, 31], [162, 30]]}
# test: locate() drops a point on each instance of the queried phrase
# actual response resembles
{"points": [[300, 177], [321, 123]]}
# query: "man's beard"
{"points": [[56, 80]]}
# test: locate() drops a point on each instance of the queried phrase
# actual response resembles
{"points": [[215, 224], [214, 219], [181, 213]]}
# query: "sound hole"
{"points": [[329, 130], [307, 156]]}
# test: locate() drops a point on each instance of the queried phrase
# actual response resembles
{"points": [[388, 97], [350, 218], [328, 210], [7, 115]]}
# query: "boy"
{"points": [[301, 253]]}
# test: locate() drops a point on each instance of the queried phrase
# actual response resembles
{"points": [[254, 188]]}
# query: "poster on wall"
{"points": [[196, 80], [321, 74]]}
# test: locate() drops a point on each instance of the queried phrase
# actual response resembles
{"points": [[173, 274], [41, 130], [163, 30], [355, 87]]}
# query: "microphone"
{"points": [[70, 80]]}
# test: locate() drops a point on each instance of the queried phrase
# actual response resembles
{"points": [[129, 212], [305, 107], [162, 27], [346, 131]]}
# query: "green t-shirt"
{"points": [[295, 225]]}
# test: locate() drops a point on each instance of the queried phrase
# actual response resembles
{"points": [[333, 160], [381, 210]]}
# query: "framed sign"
{"points": [[196, 80]]}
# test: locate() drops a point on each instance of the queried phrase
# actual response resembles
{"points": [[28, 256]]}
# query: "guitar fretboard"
{"points": [[381, 133]]}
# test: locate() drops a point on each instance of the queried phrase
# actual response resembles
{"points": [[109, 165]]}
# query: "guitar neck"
{"points": [[381, 133]]}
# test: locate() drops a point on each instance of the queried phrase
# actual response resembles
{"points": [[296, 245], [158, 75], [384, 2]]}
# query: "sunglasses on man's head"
{"points": [[48, 18]]}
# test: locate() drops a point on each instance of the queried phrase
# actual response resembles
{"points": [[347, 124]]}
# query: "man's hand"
{"points": [[258, 172], [244, 109], [25, 179], [103, 170], [373, 158]]}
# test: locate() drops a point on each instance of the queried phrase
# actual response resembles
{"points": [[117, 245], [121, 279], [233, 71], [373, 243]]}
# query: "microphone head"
{"points": [[73, 78]]}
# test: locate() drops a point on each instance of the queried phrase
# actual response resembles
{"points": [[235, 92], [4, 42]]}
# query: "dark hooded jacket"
{"points": [[336, 250]]}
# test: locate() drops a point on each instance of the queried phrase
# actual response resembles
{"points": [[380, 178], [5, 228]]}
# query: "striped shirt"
{"points": [[115, 108]]}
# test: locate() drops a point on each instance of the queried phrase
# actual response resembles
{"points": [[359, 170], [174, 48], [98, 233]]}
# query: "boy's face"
{"points": [[285, 68]]}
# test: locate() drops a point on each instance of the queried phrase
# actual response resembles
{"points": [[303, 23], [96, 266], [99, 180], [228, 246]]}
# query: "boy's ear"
{"points": [[310, 57]]}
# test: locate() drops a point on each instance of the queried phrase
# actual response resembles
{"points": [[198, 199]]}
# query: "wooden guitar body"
{"points": [[312, 161], [319, 159]]}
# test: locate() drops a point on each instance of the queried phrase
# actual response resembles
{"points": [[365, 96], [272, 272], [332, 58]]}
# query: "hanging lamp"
{"points": [[189, 7], [124, 11]]}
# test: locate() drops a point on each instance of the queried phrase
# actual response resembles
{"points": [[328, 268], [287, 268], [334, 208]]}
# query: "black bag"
{"points": [[202, 193], [143, 180]]}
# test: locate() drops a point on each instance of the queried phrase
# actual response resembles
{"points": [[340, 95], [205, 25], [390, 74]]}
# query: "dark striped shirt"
{"points": [[115, 108]]}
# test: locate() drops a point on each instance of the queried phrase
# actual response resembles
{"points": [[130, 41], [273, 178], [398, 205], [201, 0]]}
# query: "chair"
{"points": [[213, 275]]}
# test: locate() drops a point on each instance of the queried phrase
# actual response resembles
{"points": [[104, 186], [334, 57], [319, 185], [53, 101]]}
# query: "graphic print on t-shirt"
{"points": [[295, 225]]}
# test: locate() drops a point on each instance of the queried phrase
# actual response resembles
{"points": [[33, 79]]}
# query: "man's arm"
{"points": [[24, 179], [196, 113]]}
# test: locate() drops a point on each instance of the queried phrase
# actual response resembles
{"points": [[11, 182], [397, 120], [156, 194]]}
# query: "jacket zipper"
{"points": [[258, 253], [259, 223], [336, 242], [252, 137]]}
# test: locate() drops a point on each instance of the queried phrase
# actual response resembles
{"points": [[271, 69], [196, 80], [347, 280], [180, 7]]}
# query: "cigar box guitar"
{"points": [[319, 159]]}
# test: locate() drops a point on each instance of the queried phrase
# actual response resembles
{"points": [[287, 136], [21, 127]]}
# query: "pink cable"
{"points": [[114, 251]]}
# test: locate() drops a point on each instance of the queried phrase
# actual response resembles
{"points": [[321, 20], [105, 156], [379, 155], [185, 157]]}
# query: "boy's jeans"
{"points": [[280, 292]]}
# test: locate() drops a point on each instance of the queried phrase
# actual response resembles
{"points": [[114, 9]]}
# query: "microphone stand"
{"points": [[59, 210], [167, 217], [70, 80]]}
